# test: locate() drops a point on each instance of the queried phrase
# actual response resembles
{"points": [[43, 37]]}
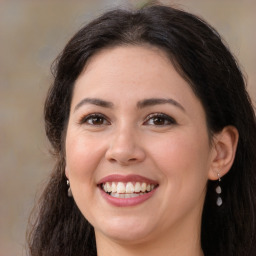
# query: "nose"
{"points": [[125, 148]]}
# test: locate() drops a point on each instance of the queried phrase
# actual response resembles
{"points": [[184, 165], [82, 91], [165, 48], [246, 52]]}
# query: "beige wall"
{"points": [[32, 33]]}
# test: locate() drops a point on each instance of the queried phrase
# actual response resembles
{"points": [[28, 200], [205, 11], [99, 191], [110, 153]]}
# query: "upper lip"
{"points": [[126, 178]]}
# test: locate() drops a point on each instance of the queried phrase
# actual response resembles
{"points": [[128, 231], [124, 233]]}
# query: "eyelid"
{"points": [[86, 117], [170, 119]]}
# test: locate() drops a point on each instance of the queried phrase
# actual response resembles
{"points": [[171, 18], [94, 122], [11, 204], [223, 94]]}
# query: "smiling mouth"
{"points": [[127, 189]]}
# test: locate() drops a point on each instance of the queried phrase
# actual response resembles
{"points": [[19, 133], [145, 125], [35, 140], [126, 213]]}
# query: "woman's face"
{"points": [[137, 147]]}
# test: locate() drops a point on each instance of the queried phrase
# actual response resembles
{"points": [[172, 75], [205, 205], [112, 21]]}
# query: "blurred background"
{"points": [[32, 33]]}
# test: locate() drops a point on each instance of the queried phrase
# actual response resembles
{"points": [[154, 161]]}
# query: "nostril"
{"points": [[123, 161], [125, 153], [132, 160]]}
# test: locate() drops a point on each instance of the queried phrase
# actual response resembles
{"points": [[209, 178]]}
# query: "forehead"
{"points": [[126, 59], [131, 73]]}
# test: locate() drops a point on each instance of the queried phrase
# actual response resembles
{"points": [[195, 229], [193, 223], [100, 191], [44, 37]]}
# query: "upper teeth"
{"points": [[129, 187]]}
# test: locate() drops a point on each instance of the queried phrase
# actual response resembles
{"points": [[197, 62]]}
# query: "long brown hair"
{"points": [[200, 56]]}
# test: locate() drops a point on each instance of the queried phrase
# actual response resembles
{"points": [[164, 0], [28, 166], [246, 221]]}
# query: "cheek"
{"points": [[183, 157], [184, 164], [82, 156], [82, 159]]}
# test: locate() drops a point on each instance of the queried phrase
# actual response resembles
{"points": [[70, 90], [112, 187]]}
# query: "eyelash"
{"points": [[164, 119], [97, 116], [161, 117]]}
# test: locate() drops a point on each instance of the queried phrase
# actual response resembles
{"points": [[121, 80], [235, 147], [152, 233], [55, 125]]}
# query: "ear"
{"points": [[224, 151], [67, 172]]}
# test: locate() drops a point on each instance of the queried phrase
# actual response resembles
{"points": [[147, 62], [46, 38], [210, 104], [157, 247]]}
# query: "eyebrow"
{"points": [[158, 101], [141, 104], [94, 101]]}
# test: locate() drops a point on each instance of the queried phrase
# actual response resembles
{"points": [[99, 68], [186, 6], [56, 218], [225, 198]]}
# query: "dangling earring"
{"points": [[69, 189], [218, 191]]}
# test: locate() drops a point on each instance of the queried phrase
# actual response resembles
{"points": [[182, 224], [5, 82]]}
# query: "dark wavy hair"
{"points": [[199, 56]]}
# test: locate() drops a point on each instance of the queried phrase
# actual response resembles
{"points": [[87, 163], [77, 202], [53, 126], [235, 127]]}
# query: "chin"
{"points": [[126, 231]]}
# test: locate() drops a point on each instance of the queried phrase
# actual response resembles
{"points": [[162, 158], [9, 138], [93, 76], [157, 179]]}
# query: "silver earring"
{"points": [[218, 191], [69, 189]]}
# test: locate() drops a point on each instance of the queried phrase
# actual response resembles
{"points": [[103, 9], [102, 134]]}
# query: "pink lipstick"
{"points": [[128, 190]]}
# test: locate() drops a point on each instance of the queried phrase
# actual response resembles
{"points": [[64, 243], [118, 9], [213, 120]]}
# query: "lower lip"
{"points": [[125, 202]]}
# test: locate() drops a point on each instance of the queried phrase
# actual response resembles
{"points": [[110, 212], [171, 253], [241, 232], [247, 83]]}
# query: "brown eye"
{"points": [[95, 119], [159, 120]]}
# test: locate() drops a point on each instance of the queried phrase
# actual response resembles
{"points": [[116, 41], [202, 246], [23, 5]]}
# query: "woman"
{"points": [[154, 137]]}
